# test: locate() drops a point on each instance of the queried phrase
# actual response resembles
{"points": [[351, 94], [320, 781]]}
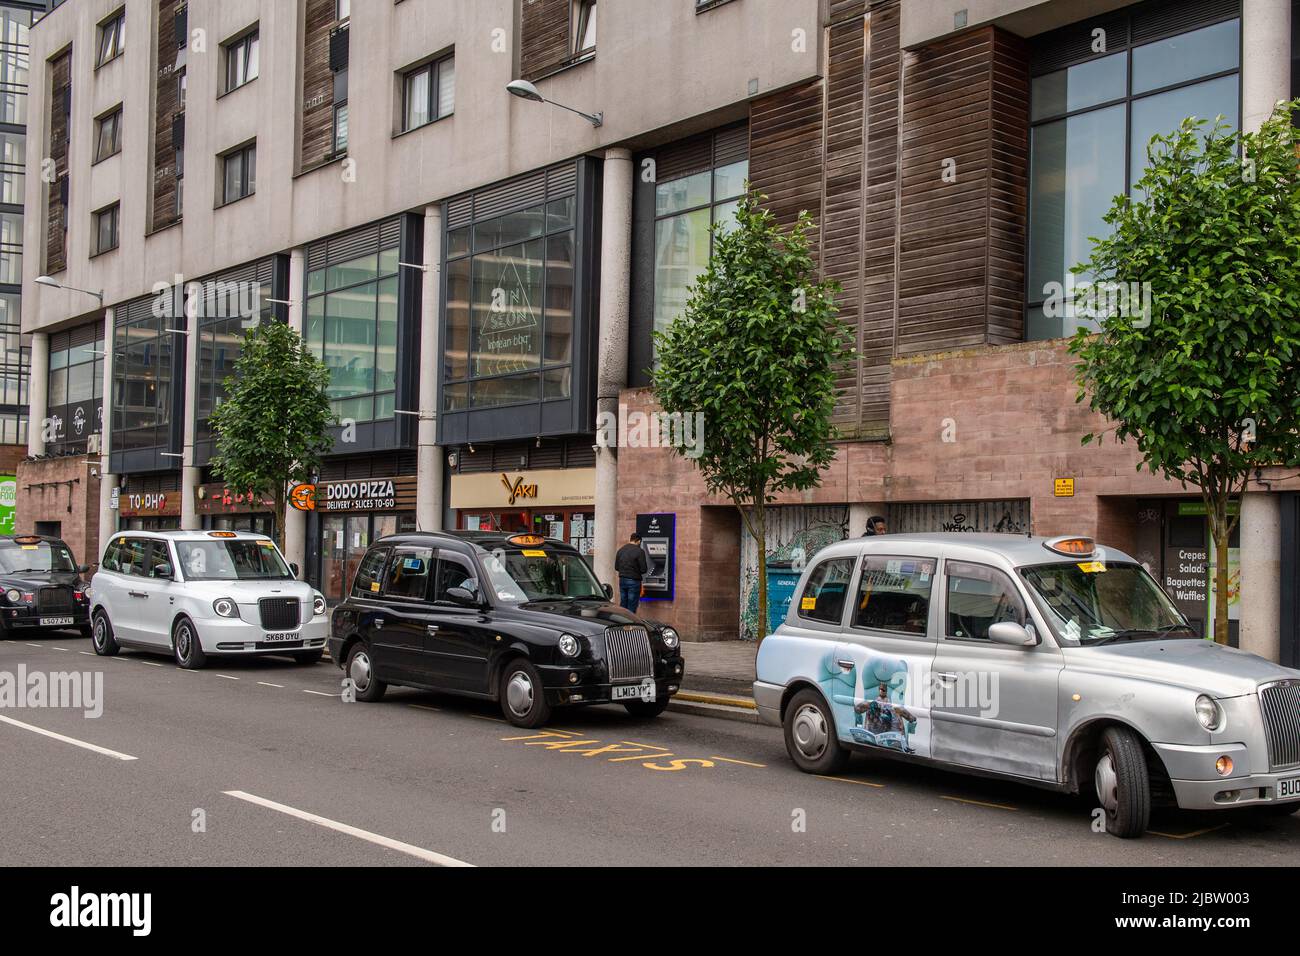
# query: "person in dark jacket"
{"points": [[875, 526], [631, 565]]}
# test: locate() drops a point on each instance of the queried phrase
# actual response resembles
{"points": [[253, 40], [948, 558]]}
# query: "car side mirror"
{"points": [[83, 568], [293, 568], [1011, 633], [164, 571], [462, 596], [609, 591]]}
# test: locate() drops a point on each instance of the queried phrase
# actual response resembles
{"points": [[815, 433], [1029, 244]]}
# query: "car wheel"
{"points": [[101, 636], [646, 709], [186, 646], [308, 657], [523, 699], [1122, 784], [360, 671], [810, 735]]}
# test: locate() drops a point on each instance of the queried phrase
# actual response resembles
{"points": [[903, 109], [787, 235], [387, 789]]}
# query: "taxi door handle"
{"points": [[847, 665], [139, 594], [946, 678], [432, 628]]}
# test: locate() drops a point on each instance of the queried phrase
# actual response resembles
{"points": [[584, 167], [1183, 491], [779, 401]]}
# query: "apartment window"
{"points": [[584, 27], [241, 61], [11, 247], [342, 10], [180, 181], [108, 135], [1091, 123], [112, 33], [14, 65], [239, 173], [106, 229], [340, 128], [428, 93], [181, 90], [13, 161]]}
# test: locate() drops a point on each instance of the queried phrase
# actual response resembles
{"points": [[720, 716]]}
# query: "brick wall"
{"points": [[62, 490]]}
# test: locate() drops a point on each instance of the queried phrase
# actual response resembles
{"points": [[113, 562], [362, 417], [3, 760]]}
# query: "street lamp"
{"points": [[527, 91], [46, 280]]}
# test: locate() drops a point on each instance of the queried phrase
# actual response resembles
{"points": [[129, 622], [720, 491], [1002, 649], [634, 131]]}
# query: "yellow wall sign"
{"points": [[1064, 488]]}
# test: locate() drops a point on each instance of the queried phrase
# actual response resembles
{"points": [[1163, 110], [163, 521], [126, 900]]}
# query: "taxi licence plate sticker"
{"points": [[808, 604], [1289, 787], [1092, 567], [55, 621], [534, 554]]}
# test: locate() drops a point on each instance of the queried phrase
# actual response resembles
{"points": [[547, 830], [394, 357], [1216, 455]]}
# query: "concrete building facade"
{"points": [[483, 273]]}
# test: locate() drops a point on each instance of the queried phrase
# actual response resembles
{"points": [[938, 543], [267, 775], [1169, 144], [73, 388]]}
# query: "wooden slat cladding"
{"points": [[544, 33], [166, 109], [56, 209], [785, 151], [317, 85], [962, 237]]}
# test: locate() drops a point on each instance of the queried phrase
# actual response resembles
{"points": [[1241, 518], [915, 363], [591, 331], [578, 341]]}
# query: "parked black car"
{"points": [[41, 587], [520, 619]]}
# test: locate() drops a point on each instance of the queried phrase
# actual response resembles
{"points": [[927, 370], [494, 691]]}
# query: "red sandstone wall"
{"points": [[42, 496]]}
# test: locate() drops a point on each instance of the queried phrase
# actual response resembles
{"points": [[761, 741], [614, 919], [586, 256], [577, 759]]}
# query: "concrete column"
{"points": [[428, 483], [1266, 65], [190, 473], [38, 394], [295, 521], [611, 371], [107, 480], [1261, 574]]}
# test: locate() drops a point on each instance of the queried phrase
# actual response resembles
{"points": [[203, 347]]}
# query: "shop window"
{"points": [[894, 594], [827, 587], [1091, 123]]}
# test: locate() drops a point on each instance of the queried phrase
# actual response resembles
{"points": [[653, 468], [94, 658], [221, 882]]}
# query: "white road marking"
{"points": [[30, 644], [57, 648], [151, 663], [87, 653], [67, 740], [265, 684], [227, 677], [321, 693], [429, 856]]}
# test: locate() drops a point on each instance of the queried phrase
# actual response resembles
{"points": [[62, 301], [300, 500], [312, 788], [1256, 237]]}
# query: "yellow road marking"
{"points": [[562, 733], [980, 803], [743, 763], [860, 783], [658, 756], [633, 743], [499, 720], [1188, 836]]}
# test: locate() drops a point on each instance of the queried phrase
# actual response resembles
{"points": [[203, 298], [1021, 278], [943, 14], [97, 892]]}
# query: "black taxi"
{"points": [[41, 587], [519, 619]]}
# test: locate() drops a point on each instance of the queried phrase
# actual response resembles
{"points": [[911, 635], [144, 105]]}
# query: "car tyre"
{"points": [[522, 697], [810, 736], [308, 657], [186, 647], [360, 671], [646, 709], [101, 636], [1122, 783]]}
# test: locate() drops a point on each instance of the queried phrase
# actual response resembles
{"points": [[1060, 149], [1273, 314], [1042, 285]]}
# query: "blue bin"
{"points": [[781, 582]]}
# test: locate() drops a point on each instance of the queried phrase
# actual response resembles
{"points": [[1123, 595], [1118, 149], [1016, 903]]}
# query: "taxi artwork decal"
{"points": [[878, 702]]}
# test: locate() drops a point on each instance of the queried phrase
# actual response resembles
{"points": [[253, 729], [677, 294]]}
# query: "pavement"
{"points": [[259, 762]]}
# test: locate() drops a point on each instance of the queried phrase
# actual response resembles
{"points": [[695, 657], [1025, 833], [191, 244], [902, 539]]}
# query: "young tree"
{"points": [[272, 429], [1207, 385], [755, 351]]}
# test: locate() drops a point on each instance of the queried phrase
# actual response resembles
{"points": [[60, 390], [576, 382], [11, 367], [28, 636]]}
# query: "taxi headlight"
{"points": [[670, 637], [318, 605], [1208, 713], [569, 645], [225, 607], [14, 595]]}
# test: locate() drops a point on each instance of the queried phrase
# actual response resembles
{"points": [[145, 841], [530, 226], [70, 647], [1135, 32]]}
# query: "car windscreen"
{"points": [[42, 557], [519, 575], [231, 560], [1095, 602]]}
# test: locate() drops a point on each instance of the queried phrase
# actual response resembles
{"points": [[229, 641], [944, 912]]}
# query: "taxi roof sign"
{"points": [[27, 539], [1072, 546], [222, 534], [527, 540]]}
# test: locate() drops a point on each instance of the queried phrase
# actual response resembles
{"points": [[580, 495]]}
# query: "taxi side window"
{"points": [[366, 582], [894, 594], [132, 556], [408, 574], [112, 557], [454, 572], [828, 585], [978, 597]]}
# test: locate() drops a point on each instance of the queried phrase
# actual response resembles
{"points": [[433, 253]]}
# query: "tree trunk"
{"points": [[1221, 577], [760, 529], [278, 517]]}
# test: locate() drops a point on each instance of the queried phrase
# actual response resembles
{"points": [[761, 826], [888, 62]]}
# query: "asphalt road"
{"points": [[278, 770]]}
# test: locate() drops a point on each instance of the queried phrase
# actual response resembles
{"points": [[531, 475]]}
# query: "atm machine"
{"points": [[659, 541]]}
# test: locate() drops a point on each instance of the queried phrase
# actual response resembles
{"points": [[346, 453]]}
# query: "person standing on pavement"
{"points": [[631, 565]]}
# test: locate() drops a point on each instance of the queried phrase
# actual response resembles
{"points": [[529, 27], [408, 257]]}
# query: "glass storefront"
{"points": [[344, 539], [577, 526], [76, 388]]}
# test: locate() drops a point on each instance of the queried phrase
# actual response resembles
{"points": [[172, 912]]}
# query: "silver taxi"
{"points": [[1053, 662]]}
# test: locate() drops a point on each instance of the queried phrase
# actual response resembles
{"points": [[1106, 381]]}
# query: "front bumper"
{"points": [[29, 619], [223, 635], [588, 684], [1198, 786]]}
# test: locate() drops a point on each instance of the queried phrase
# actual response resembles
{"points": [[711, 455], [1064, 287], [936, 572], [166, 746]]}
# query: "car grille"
{"points": [[627, 653], [279, 614], [54, 599], [1280, 704]]}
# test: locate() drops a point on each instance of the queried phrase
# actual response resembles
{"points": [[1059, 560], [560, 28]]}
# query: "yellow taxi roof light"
{"points": [[221, 534], [1072, 546], [527, 539]]}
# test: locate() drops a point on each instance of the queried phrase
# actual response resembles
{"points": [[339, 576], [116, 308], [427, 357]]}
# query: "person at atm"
{"points": [[631, 565]]}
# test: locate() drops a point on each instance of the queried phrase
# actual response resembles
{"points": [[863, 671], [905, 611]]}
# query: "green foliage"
{"points": [[1210, 389], [272, 429], [755, 351]]}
